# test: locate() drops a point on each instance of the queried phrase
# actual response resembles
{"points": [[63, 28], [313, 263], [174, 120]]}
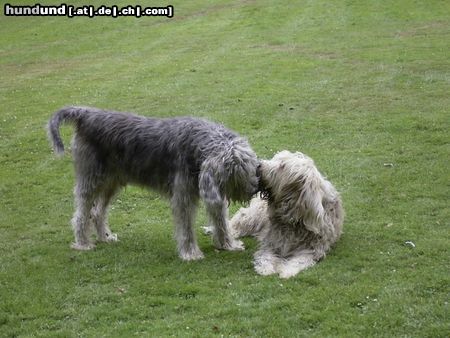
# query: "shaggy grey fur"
{"points": [[184, 158], [298, 221]]}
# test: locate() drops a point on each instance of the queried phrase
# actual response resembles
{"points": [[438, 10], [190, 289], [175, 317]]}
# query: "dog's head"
{"points": [[243, 174], [294, 186], [232, 174]]}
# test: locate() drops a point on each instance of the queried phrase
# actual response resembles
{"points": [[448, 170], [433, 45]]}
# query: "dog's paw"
{"points": [[265, 263], [192, 255], [264, 269], [208, 230], [288, 273], [232, 245], [108, 238], [83, 247], [293, 266], [237, 245]]}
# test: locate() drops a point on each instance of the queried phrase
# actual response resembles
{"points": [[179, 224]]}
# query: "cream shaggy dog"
{"points": [[297, 219]]}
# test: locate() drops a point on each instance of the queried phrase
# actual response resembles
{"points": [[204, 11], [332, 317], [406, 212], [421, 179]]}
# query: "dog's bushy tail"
{"points": [[66, 114]]}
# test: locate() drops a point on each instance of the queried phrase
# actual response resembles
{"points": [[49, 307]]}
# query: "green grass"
{"points": [[361, 86]]}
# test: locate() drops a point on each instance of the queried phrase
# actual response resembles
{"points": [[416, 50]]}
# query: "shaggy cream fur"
{"points": [[297, 219]]}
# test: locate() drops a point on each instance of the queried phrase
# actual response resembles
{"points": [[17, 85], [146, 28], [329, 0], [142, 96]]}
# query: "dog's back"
{"points": [[110, 129]]}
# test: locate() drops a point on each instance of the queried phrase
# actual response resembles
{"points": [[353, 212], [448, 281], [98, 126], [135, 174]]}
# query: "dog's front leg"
{"points": [[218, 214], [183, 208], [216, 207]]}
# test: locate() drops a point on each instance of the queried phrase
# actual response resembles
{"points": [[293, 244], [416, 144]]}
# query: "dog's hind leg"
{"points": [[184, 206], [251, 221], [89, 175], [100, 210], [84, 199]]}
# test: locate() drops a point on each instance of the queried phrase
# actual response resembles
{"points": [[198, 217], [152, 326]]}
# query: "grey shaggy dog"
{"points": [[297, 220], [184, 158]]}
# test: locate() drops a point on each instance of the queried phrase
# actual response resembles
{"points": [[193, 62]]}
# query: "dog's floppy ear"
{"points": [[310, 201], [209, 184]]}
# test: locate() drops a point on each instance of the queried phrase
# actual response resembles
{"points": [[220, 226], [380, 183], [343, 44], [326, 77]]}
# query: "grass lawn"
{"points": [[363, 87]]}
